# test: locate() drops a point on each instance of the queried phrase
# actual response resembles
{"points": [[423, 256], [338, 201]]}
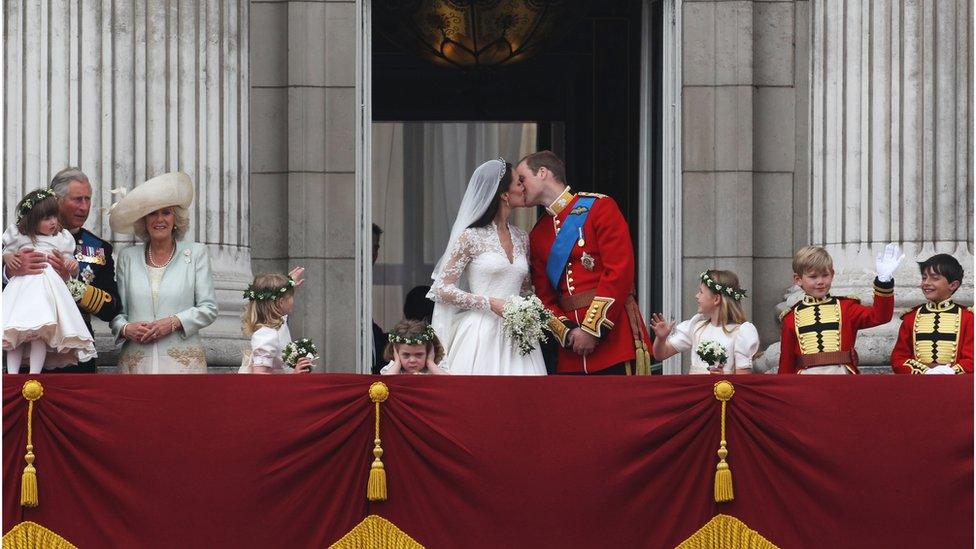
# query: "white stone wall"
{"points": [[744, 87], [303, 110], [129, 90]]}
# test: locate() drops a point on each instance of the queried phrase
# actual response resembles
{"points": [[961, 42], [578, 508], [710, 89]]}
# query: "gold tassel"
{"points": [[28, 483], [723, 474], [376, 487]]}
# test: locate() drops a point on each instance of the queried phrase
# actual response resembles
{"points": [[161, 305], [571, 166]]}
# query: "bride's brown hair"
{"points": [[489, 215]]}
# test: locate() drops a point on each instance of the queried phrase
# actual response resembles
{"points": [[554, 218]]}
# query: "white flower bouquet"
{"points": [[525, 320], [712, 353], [76, 288], [298, 349]]}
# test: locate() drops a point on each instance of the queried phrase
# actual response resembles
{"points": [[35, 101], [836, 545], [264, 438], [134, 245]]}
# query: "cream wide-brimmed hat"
{"points": [[169, 189]]}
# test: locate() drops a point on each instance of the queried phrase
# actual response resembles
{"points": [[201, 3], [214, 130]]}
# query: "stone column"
{"points": [[304, 173], [891, 147], [129, 90]]}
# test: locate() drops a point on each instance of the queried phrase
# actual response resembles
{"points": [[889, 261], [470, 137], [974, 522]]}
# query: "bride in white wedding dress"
{"points": [[486, 262]]}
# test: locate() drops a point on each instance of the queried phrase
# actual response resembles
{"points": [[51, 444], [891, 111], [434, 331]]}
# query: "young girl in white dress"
{"points": [[413, 349], [271, 298], [719, 320], [40, 316]]}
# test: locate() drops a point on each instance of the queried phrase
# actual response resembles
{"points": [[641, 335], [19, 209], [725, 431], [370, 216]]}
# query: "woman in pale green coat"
{"points": [[165, 283]]}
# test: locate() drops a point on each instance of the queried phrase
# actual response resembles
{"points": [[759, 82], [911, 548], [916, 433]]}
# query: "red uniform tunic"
{"points": [[828, 327], [934, 334], [602, 266]]}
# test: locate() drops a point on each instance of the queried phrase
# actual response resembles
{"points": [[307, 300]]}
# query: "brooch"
{"points": [[186, 256], [588, 262]]}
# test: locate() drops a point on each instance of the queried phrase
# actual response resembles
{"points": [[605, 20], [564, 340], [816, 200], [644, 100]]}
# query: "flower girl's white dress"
{"points": [[41, 307]]}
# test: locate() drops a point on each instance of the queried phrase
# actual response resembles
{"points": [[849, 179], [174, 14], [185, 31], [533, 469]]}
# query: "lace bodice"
{"points": [[478, 268]]}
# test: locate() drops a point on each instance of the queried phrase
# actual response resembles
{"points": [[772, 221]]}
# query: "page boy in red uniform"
{"points": [[819, 332], [937, 336]]}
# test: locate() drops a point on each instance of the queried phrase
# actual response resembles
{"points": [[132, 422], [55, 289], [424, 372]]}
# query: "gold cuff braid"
{"points": [[559, 329], [94, 299], [595, 322]]}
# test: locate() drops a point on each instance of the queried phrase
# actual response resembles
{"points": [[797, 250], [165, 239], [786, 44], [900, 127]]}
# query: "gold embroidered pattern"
{"points": [[187, 356], [818, 325], [595, 322], [559, 329], [129, 361], [936, 333]]}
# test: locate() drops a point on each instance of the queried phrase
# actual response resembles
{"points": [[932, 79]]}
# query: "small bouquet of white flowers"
{"points": [[524, 320], [712, 353], [299, 349], [76, 288]]}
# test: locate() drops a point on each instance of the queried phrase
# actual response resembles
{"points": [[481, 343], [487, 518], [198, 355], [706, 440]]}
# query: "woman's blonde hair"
{"points": [[264, 312], [414, 329], [729, 309], [180, 225]]}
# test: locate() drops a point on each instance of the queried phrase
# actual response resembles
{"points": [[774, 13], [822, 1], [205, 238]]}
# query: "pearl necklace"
{"points": [[152, 260]]}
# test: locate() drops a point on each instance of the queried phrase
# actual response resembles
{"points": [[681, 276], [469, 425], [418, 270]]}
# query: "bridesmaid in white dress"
{"points": [[720, 319], [486, 263]]}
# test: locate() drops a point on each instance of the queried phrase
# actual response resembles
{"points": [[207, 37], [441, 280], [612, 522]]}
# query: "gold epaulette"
{"points": [[594, 195], [910, 311], [783, 314]]}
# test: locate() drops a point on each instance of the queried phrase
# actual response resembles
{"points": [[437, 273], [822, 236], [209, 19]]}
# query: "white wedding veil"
{"points": [[481, 190]]}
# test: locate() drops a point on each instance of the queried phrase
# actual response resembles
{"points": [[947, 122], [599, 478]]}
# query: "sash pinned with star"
{"points": [[566, 239]]}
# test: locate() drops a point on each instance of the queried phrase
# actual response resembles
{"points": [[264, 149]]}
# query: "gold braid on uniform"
{"points": [[818, 323], [935, 336], [595, 322], [560, 328], [93, 299]]}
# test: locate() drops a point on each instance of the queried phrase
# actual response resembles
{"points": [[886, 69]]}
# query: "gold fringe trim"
{"points": [[33, 390], [376, 487], [376, 532], [30, 535], [723, 475], [726, 532]]}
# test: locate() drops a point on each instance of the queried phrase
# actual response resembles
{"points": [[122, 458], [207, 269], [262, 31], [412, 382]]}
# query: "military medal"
{"points": [[581, 242], [588, 262], [87, 274]]}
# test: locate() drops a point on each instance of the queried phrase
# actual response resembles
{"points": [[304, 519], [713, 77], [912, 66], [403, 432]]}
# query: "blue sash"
{"points": [[566, 239]]}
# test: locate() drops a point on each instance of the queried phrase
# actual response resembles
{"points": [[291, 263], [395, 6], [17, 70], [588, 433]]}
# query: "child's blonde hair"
{"points": [[416, 330], [812, 259], [729, 309], [264, 312]]}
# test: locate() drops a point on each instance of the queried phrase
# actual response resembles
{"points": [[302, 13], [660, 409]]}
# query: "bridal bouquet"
{"points": [[298, 349], [524, 319], [712, 353]]}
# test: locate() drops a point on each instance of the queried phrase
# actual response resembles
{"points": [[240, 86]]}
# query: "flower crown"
{"points": [[253, 294], [735, 293], [28, 204], [427, 335]]}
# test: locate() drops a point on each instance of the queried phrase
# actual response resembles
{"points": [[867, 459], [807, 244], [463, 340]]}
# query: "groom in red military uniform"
{"points": [[583, 271]]}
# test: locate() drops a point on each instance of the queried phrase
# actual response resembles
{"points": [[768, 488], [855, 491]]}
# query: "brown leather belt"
{"points": [[832, 358], [581, 300]]}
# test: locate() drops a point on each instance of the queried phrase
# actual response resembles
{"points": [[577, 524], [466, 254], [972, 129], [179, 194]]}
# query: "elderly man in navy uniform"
{"points": [[94, 255]]}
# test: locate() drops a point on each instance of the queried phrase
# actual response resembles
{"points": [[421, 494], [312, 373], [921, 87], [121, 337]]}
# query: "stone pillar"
{"points": [[891, 147], [717, 147], [129, 90], [304, 110]]}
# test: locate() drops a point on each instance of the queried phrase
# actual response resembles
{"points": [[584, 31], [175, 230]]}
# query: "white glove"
{"points": [[941, 369], [888, 261]]}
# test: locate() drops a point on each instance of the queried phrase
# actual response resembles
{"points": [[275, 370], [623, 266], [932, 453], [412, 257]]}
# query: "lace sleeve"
{"points": [[445, 289], [523, 239]]}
